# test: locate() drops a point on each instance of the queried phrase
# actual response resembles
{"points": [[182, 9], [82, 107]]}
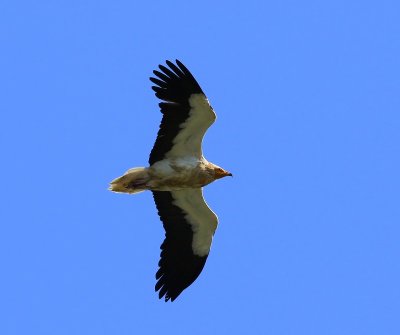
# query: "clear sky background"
{"points": [[308, 101]]}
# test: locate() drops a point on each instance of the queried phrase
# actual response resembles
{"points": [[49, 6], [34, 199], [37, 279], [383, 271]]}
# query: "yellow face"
{"points": [[220, 173]]}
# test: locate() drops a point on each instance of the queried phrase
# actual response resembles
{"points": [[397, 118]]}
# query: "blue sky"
{"points": [[308, 104]]}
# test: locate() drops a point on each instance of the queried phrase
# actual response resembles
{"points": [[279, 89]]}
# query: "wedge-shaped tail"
{"points": [[133, 181]]}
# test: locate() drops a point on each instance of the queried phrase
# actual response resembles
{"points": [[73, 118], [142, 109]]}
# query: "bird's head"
{"points": [[221, 173]]}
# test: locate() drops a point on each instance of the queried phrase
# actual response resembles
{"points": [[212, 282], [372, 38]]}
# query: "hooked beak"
{"points": [[222, 173], [226, 174]]}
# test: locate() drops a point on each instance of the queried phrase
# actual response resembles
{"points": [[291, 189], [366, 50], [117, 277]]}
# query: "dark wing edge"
{"points": [[179, 266], [174, 85]]}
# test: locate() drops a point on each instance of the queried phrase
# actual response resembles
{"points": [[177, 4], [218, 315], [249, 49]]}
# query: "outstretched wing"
{"points": [[186, 111], [189, 228]]}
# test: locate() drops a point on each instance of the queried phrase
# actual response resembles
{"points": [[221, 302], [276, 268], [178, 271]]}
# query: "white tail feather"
{"points": [[133, 181]]}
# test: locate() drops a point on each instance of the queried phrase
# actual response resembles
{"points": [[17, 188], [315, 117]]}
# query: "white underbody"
{"points": [[179, 173], [183, 172]]}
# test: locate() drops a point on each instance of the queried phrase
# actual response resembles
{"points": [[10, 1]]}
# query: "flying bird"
{"points": [[176, 174]]}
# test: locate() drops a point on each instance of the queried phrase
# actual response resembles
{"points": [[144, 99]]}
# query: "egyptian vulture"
{"points": [[176, 175]]}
